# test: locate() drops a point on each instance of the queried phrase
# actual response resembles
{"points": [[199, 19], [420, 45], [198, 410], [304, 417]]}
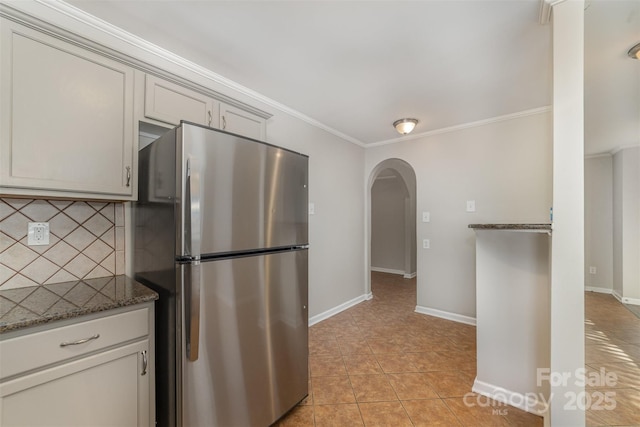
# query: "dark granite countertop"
{"points": [[35, 305], [515, 227]]}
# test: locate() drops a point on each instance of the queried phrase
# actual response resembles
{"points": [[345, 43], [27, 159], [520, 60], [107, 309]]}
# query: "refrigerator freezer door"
{"points": [[253, 351], [253, 195]]}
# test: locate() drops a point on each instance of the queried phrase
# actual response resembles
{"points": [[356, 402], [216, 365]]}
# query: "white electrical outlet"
{"points": [[38, 233], [426, 217], [426, 244], [592, 270], [471, 205]]}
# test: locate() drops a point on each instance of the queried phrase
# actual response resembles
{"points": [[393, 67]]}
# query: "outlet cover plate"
{"points": [[38, 233]]}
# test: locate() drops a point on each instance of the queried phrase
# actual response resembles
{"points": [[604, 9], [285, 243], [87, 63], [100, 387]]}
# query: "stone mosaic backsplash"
{"points": [[86, 241]]}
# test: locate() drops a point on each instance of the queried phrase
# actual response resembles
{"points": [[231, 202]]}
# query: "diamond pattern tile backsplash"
{"points": [[86, 241]]}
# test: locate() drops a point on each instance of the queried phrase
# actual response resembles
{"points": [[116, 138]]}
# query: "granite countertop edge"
{"points": [[546, 226], [15, 315]]}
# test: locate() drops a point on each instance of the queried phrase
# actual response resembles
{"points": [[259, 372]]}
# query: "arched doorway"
{"points": [[391, 217]]}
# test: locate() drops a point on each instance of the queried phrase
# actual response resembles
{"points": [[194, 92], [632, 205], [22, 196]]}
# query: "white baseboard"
{"points": [[626, 300], [598, 289], [530, 402], [387, 270], [631, 301], [392, 271], [335, 310], [446, 315], [617, 295]]}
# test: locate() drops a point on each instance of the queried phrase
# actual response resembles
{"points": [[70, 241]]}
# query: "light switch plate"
{"points": [[471, 205], [312, 208], [426, 244], [426, 217], [38, 233]]}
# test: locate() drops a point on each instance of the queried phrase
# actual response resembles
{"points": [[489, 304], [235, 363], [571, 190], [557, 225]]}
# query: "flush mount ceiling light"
{"points": [[405, 126], [634, 52]]}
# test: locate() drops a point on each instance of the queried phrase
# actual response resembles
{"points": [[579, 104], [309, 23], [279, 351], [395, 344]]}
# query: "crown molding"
{"points": [[623, 147], [81, 27], [90, 31], [66, 22], [547, 5], [597, 156], [462, 126], [612, 152], [545, 10]]}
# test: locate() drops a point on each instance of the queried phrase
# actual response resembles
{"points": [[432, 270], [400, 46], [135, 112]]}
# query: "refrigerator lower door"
{"points": [[252, 364]]}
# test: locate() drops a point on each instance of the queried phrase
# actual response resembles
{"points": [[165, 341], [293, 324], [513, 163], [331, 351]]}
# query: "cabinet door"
{"points": [[170, 103], [67, 119], [235, 120], [106, 389]]}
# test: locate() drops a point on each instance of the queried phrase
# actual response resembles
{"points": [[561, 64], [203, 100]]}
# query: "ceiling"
{"points": [[357, 66]]}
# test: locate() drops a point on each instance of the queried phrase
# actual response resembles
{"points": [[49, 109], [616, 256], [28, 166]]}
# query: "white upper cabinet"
{"points": [[241, 122], [169, 103], [71, 113], [67, 119]]}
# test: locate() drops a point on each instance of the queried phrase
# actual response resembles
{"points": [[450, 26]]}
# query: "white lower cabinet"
{"points": [[108, 383]]}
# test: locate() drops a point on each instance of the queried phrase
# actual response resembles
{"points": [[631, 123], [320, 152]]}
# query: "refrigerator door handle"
{"points": [[193, 312], [193, 175]]}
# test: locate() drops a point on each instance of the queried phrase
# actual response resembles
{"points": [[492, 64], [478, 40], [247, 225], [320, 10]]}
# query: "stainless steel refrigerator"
{"points": [[221, 234]]}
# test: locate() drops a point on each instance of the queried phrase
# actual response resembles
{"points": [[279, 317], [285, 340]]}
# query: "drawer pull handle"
{"points": [[144, 363], [82, 341]]}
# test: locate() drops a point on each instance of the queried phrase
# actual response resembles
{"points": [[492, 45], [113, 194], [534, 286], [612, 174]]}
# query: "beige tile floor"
{"points": [[381, 364]]}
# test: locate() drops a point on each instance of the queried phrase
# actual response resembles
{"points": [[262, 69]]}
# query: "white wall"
{"points": [[626, 224], [598, 222], [388, 195], [505, 166]]}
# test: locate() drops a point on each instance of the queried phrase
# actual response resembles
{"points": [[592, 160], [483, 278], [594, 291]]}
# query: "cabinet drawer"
{"points": [[36, 350]]}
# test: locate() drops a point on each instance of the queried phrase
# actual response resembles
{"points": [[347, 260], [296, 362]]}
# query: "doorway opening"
{"points": [[392, 219]]}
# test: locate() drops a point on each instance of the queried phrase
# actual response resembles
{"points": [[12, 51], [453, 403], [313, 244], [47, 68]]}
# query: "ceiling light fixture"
{"points": [[405, 126], [634, 52]]}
